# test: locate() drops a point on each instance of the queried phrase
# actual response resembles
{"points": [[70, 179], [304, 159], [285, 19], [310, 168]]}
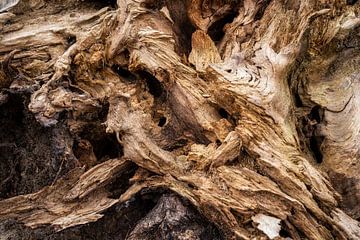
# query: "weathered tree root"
{"points": [[227, 128]]}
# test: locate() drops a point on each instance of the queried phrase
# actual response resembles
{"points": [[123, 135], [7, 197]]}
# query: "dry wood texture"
{"points": [[242, 114]]}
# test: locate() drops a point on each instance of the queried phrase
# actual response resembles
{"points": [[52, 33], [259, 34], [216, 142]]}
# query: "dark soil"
{"points": [[31, 156]]}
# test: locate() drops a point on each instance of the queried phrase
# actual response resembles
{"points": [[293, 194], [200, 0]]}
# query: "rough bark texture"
{"points": [[196, 119]]}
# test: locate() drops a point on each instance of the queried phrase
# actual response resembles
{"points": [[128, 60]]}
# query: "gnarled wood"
{"points": [[238, 127]]}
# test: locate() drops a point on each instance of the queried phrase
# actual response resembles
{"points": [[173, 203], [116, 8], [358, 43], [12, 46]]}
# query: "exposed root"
{"points": [[217, 128]]}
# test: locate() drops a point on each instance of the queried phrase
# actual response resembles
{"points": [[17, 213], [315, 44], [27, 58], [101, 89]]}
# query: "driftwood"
{"points": [[245, 113]]}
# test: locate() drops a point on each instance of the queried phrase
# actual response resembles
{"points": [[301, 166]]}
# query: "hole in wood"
{"points": [[315, 114], [284, 233], [107, 147], [153, 84], [315, 145], [292, 211], [162, 121], [104, 146], [71, 39], [223, 113], [297, 100], [216, 30], [124, 73]]}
